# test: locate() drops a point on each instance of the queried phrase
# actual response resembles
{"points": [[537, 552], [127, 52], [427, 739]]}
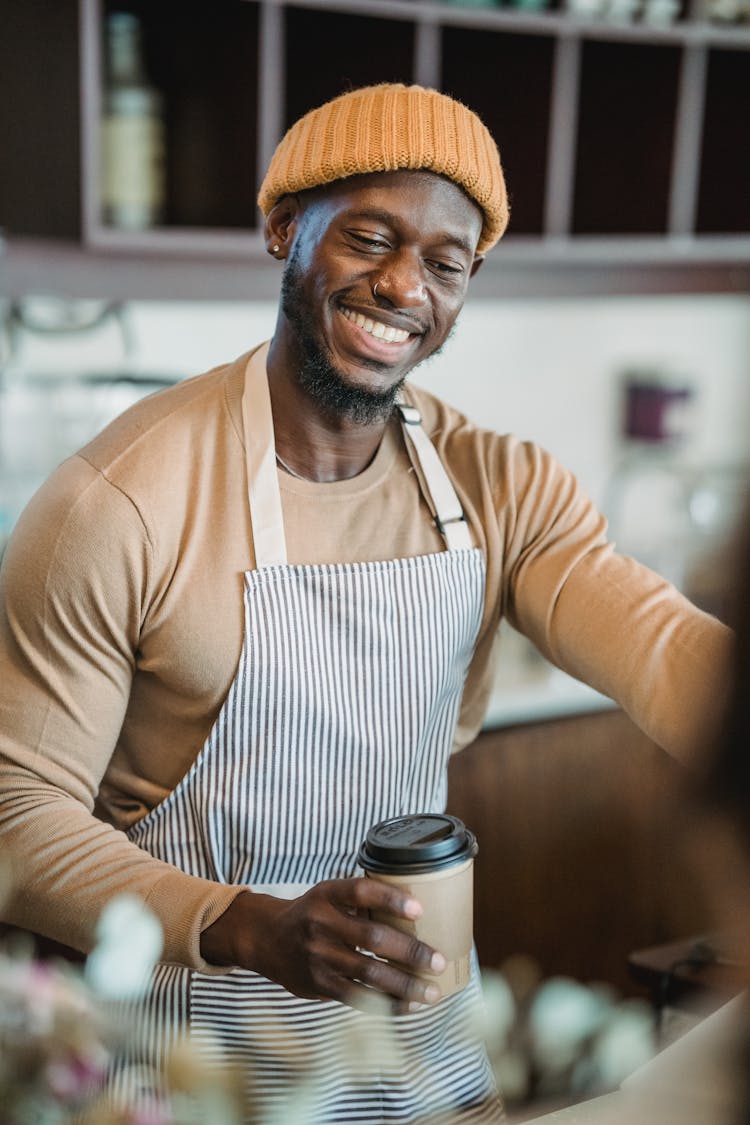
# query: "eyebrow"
{"points": [[387, 219]]}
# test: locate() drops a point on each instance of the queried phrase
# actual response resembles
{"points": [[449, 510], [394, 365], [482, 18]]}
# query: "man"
{"points": [[251, 744]]}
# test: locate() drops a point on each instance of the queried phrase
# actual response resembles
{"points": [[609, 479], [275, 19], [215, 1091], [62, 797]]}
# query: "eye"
{"points": [[370, 242], [445, 269]]}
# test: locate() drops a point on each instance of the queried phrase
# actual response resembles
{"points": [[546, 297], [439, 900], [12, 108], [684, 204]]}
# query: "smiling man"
{"points": [[377, 271], [376, 277], [255, 616]]}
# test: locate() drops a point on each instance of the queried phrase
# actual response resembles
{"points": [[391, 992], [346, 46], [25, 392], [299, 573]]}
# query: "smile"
{"points": [[376, 328]]}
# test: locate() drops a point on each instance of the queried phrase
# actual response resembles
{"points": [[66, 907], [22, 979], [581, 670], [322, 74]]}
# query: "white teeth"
{"points": [[376, 328]]}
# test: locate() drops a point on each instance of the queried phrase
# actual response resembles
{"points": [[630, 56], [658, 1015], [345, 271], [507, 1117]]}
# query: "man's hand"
{"points": [[311, 945]]}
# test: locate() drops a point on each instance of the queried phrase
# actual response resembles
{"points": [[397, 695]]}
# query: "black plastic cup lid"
{"points": [[417, 843]]}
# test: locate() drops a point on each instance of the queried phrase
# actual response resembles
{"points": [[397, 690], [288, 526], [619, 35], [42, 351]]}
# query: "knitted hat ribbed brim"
{"points": [[385, 128]]}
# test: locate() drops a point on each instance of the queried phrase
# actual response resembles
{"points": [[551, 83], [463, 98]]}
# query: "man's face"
{"points": [[411, 234]]}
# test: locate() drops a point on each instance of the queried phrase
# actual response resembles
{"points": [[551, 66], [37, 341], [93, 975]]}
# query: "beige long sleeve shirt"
{"points": [[121, 625]]}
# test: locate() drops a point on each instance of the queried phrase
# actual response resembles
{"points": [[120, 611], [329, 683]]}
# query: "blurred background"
{"points": [[611, 325]]}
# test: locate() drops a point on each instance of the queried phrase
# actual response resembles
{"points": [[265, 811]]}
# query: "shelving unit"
{"points": [[626, 145], [600, 125]]}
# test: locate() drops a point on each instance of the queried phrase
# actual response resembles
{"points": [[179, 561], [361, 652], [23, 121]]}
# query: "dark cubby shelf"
{"points": [[204, 61], [628, 100], [330, 52], [620, 143], [724, 196], [507, 80]]}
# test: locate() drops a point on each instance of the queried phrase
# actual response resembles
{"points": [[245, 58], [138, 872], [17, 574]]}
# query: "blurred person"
{"points": [[726, 782], [256, 614], [703, 1078], [720, 806]]}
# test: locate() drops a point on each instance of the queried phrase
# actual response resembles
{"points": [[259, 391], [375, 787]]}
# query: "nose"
{"points": [[402, 282]]}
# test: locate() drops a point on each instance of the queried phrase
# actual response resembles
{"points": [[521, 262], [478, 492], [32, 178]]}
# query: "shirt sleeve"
{"points": [[74, 587], [606, 619]]}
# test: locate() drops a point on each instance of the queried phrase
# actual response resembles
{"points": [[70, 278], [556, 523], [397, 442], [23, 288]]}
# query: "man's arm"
{"points": [[73, 588], [610, 621]]}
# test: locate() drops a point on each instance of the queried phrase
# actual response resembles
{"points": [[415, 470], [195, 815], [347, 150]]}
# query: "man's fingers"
{"points": [[333, 947], [370, 894], [389, 978], [375, 935], [359, 977], [390, 944]]}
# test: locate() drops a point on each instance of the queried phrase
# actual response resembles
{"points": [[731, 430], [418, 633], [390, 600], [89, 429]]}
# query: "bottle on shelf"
{"points": [[661, 13], [728, 11], [133, 168]]}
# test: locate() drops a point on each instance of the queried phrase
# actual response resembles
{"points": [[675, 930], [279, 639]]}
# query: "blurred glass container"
{"points": [[529, 5], [728, 11], [679, 519], [647, 508], [717, 498], [49, 409], [586, 9], [675, 515], [622, 11], [45, 417], [660, 13]]}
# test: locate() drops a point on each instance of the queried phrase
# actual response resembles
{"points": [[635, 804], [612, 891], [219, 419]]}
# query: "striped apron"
{"points": [[342, 713]]}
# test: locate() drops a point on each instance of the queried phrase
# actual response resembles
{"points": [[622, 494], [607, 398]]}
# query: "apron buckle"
{"points": [[409, 414], [442, 525]]}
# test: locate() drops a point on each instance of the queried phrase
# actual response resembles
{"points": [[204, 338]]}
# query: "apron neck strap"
{"points": [[437, 486], [264, 496]]}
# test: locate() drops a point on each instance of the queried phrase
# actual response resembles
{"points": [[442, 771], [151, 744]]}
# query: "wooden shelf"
{"points": [[724, 190], [584, 868], [516, 269], [621, 142], [549, 22], [625, 140], [587, 149]]}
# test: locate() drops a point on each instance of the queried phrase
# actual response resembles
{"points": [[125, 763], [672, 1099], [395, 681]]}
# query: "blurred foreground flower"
{"points": [[63, 1030], [559, 1038], [129, 943], [54, 1043], [59, 1033]]}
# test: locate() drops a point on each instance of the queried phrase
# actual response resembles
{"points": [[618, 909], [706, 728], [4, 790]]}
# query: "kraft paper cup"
{"points": [[430, 856]]}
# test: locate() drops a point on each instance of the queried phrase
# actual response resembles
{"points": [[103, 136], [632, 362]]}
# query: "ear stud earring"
{"points": [[275, 248]]}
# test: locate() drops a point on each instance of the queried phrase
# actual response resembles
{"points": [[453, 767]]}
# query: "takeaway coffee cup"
{"points": [[430, 855]]}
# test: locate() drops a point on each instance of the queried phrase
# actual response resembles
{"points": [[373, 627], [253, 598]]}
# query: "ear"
{"points": [[280, 226], [476, 264]]}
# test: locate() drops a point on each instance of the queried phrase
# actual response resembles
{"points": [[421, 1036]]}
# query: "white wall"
{"points": [[548, 370], [551, 371]]}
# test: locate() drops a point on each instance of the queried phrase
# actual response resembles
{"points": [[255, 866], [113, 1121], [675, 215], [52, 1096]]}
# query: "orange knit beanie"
{"points": [[382, 129]]}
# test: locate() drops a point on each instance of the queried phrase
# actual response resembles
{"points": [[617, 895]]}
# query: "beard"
{"points": [[317, 374]]}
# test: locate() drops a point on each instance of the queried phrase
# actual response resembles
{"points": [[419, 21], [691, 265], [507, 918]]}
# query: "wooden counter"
{"points": [[580, 862]]}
